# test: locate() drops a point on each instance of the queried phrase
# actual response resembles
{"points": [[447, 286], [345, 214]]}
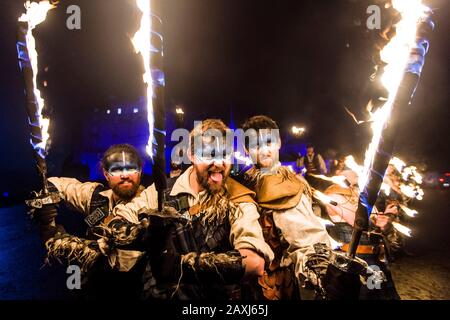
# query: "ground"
{"points": [[425, 273], [422, 274]]}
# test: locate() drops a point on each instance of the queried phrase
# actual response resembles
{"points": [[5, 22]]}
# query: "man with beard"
{"points": [[107, 276], [207, 241], [287, 219]]}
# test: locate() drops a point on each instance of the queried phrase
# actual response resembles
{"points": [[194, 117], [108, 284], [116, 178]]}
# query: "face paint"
{"points": [[265, 153], [122, 164], [268, 138], [263, 139], [116, 171], [212, 152]]}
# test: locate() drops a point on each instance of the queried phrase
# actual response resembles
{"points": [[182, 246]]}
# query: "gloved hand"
{"points": [[193, 267], [49, 231], [341, 285], [124, 234], [46, 215], [45, 218], [316, 267], [224, 267], [332, 274]]}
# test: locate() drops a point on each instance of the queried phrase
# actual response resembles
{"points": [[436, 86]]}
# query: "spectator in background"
{"points": [[314, 165]]}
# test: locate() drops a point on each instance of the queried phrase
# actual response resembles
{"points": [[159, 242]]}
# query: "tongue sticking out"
{"points": [[216, 177]]}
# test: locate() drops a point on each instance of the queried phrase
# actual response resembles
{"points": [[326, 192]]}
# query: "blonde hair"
{"points": [[201, 128]]}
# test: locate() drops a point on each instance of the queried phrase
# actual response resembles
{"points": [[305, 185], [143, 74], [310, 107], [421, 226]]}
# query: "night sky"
{"points": [[300, 62]]}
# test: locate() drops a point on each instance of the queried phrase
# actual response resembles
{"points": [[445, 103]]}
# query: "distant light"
{"points": [[446, 185], [179, 111], [108, 111], [119, 110], [45, 83], [135, 110], [297, 131], [6, 194]]}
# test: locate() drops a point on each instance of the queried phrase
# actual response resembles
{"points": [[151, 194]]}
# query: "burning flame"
{"points": [[386, 188], [411, 191], [410, 212], [411, 172], [401, 228], [142, 45], [324, 198], [397, 163], [396, 55], [35, 14], [351, 163], [340, 180]]}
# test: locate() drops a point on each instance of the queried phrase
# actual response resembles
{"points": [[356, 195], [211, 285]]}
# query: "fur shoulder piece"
{"points": [[238, 193], [280, 191]]}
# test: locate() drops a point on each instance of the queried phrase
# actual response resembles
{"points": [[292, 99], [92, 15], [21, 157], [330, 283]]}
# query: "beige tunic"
{"points": [[301, 228], [78, 195], [281, 192], [245, 231]]}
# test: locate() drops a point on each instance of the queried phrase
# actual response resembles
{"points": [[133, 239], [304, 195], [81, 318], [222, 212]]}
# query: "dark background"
{"points": [[300, 62]]}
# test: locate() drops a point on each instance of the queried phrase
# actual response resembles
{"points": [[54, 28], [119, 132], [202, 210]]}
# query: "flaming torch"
{"points": [[148, 41], [404, 58], [35, 14]]}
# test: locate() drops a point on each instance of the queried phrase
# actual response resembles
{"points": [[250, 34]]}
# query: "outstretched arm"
{"points": [[301, 229], [247, 237]]}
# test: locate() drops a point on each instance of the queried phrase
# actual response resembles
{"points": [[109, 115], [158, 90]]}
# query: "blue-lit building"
{"points": [[116, 123]]}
